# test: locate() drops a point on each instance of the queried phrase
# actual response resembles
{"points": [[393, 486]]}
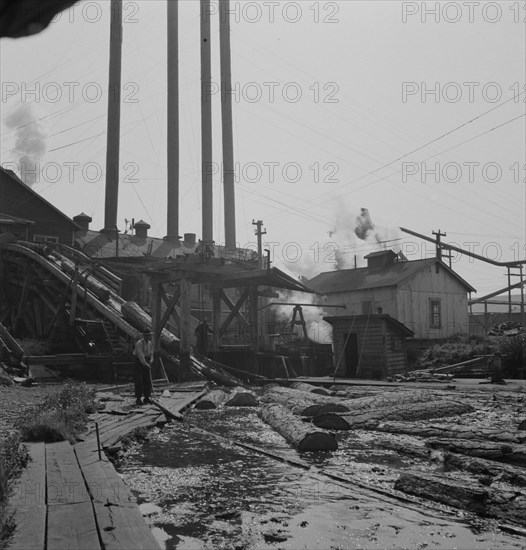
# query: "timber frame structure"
{"points": [[220, 275]]}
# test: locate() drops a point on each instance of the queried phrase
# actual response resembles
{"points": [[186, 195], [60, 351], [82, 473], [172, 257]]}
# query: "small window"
{"points": [[435, 314], [45, 239]]}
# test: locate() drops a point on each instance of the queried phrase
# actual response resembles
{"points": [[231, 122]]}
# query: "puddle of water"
{"points": [[212, 494]]}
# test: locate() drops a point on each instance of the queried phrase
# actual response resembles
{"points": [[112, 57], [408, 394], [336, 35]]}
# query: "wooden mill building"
{"points": [[28, 216], [426, 296]]}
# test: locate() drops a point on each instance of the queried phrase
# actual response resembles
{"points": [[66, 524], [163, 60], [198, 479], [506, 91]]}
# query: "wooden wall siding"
{"points": [[376, 356], [381, 297], [17, 201], [413, 304]]}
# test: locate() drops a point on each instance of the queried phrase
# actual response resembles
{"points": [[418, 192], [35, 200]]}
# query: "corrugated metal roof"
{"points": [[364, 278]]}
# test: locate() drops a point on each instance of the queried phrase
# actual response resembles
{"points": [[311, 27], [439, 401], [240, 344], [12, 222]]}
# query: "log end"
{"points": [[331, 421], [318, 441]]}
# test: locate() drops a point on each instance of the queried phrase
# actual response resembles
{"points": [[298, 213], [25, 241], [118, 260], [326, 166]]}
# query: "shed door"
{"points": [[351, 355]]}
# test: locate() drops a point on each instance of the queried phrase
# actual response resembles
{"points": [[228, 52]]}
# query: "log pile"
{"points": [[302, 436], [302, 386], [450, 431], [240, 397], [300, 402], [369, 419], [212, 400], [510, 506]]}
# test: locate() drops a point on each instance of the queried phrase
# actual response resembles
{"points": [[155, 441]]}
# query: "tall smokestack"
{"points": [[226, 118], [114, 118], [172, 202], [206, 124]]}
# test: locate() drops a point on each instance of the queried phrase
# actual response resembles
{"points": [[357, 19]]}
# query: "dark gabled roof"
{"points": [[8, 219], [395, 324], [10, 174], [364, 278]]}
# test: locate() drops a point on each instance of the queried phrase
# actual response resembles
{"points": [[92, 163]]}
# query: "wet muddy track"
{"points": [[210, 492]]}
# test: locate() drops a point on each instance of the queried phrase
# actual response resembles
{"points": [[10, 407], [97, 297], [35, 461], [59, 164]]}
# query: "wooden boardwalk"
{"points": [[70, 498]]}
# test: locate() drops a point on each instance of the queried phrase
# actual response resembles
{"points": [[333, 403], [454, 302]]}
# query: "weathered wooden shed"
{"points": [[43, 221], [368, 346], [425, 295]]}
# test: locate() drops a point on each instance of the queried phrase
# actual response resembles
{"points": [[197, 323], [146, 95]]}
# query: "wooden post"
{"points": [[523, 318], [156, 318], [253, 316], [510, 309], [216, 312], [186, 325], [73, 309]]}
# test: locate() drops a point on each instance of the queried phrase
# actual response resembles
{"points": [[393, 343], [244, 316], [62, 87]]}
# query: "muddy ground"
{"points": [[200, 489]]}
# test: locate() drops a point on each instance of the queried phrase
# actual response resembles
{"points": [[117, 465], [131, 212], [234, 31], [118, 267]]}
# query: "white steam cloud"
{"points": [[30, 141]]}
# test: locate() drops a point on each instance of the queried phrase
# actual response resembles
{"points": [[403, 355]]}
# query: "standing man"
{"points": [[142, 365], [201, 333]]}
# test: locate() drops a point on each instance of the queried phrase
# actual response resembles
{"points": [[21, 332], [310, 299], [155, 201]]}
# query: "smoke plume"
{"points": [[318, 330], [30, 142]]}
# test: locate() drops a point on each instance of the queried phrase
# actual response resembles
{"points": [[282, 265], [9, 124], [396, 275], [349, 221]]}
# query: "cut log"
{"points": [[210, 370], [450, 431], [141, 320], [300, 435], [369, 419], [508, 506], [309, 388], [494, 450], [212, 400], [241, 397], [390, 399], [481, 466], [101, 291], [300, 402]]}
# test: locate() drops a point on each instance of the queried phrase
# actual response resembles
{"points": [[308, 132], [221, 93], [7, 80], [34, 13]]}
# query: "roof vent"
{"points": [[141, 229], [83, 220], [381, 259]]}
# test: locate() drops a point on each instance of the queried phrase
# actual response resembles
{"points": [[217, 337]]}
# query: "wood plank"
{"points": [[123, 528], [72, 527], [30, 487], [65, 484], [105, 485], [30, 527]]}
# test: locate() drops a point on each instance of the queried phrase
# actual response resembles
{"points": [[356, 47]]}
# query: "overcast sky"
{"points": [[397, 107]]}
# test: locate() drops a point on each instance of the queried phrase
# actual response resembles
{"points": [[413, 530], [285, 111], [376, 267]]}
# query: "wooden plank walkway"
{"points": [[69, 498]]}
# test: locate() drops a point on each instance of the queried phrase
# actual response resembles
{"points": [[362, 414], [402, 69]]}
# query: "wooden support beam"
{"points": [[170, 305], [156, 317], [253, 316], [216, 314], [186, 313], [234, 313], [23, 299]]}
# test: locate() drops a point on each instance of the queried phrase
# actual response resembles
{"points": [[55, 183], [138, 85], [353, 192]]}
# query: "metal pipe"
{"points": [[114, 118], [206, 124], [172, 201], [466, 252], [229, 197]]}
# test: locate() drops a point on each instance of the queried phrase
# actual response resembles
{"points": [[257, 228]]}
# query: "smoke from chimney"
{"points": [[30, 141]]}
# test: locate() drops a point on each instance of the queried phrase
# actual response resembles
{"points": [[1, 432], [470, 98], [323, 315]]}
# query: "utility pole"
{"points": [[438, 247], [259, 234]]}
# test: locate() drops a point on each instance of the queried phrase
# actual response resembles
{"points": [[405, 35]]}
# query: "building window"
{"points": [[435, 314], [367, 307], [45, 239]]}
